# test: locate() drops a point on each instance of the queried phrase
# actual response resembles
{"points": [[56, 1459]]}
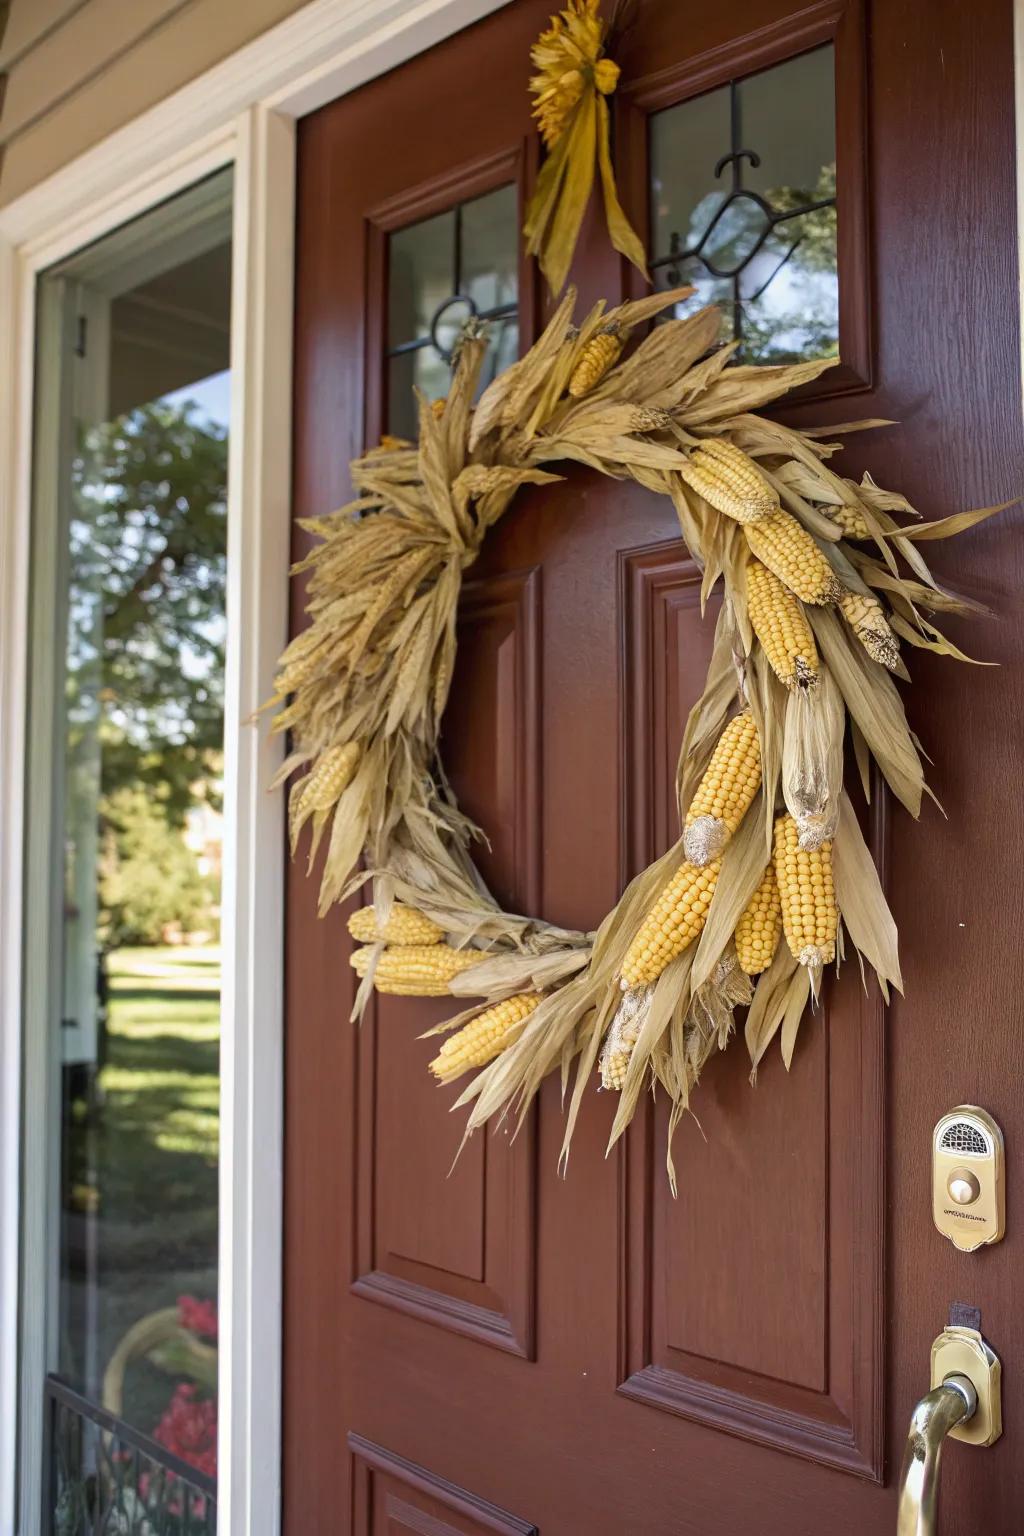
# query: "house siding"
{"points": [[76, 70]]}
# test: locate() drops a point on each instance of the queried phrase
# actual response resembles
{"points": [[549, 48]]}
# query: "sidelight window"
{"points": [[743, 206], [122, 958]]}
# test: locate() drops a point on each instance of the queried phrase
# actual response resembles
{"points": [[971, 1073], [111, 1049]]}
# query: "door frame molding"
{"points": [[242, 112]]}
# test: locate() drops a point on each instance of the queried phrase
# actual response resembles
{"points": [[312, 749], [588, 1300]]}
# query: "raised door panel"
{"points": [[774, 1333], [395, 1497], [446, 1231]]}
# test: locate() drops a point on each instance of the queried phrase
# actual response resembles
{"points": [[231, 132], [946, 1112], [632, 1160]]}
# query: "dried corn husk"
{"points": [[812, 760]]}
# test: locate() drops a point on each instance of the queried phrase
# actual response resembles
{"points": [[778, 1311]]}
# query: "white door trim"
{"points": [[241, 112]]}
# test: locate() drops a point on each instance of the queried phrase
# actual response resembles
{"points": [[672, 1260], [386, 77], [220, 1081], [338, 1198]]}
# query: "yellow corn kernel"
{"points": [[866, 617], [404, 926], [779, 622], [729, 481], [600, 353], [760, 926], [723, 796], [675, 920], [484, 1037], [415, 970], [437, 406], [810, 918], [851, 521], [785, 547]]}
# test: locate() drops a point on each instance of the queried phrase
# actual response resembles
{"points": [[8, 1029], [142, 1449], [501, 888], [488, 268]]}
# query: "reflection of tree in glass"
{"points": [[797, 314], [788, 296], [148, 568], [149, 878]]}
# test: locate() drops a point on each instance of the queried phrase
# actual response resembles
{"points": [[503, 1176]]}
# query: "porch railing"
{"points": [[104, 1478]]}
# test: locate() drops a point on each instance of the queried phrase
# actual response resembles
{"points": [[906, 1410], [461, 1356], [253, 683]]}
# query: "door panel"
{"points": [[507, 1350]]}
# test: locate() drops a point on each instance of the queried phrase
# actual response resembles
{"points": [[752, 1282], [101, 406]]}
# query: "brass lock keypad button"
{"points": [[963, 1186]]}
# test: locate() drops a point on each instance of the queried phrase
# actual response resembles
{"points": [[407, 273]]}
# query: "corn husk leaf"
{"points": [[874, 703], [797, 994], [768, 1008], [623, 236], [948, 527], [862, 902]]}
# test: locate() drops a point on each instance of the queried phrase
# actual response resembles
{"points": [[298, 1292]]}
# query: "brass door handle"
{"points": [[936, 1414]]}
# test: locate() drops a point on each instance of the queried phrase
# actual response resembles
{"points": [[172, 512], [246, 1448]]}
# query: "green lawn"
{"points": [[160, 1079]]}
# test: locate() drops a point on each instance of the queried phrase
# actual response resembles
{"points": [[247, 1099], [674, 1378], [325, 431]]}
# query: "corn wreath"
{"points": [[750, 905]]}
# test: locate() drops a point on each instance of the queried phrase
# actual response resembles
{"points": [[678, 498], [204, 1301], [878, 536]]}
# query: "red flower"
{"points": [[189, 1428], [198, 1316]]}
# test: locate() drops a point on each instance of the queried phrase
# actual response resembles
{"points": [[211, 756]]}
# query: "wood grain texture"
{"points": [[773, 1358], [758, 1192], [446, 1237], [393, 1495]]}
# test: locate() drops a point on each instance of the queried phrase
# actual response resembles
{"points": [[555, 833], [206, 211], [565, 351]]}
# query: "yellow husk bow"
{"points": [[573, 79]]}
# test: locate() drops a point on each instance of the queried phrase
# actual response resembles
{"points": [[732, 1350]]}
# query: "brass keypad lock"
{"points": [[968, 1190]]}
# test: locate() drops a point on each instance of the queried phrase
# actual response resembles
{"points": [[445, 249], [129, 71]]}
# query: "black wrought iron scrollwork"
{"points": [[432, 338], [106, 1479], [772, 217]]}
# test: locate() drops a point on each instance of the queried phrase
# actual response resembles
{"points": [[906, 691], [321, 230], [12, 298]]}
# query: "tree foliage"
{"points": [[149, 877], [148, 560]]}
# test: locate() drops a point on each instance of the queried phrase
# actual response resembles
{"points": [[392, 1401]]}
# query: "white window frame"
{"points": [[242, 113]]}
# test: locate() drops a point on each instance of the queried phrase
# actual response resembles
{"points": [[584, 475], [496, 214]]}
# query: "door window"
{"points": [[442, 271], [743, 206]]}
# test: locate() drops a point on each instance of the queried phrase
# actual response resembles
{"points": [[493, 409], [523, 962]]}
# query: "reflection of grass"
{"points": [[160, 1083]]}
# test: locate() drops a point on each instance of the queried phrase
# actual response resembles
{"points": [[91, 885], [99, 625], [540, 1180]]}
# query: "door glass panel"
{"points": [[129, 633], [441, 272], [743, 206]]}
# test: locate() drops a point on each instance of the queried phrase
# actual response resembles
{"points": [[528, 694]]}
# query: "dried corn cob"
{"points": [[779, 622], [729, 481], [415, 970], [851, 521], [404, 926], [484, 1037], [786, 548], [722, 798], [437, 406], [866, 617], [615, 1065], [675, 920], [600, 353], [809, 915], [331, 774], [651, 418], [623, 1033], [760, 927]]}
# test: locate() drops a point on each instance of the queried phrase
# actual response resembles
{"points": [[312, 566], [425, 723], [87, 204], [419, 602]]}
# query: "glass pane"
{"points": [[760, 236], [135, 587], [490, 249], [442, 272], [421, 276], [425, 369]]}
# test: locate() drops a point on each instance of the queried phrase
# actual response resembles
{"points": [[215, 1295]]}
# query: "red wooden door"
{"points": [[502, 1350]]}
